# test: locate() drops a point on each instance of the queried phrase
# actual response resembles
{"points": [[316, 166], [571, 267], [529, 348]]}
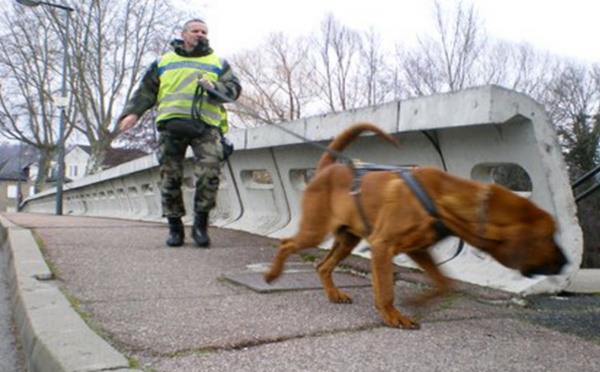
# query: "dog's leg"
{"points": [[290, 246], [442, 284], [286, 247], [314, 226], [383, 288], [342, 247]]}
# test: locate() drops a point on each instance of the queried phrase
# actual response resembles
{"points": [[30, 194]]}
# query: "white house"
{"points": [[76, 159]]}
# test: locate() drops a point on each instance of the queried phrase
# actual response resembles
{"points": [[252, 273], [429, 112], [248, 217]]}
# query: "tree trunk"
{"points": [[44, 167]]}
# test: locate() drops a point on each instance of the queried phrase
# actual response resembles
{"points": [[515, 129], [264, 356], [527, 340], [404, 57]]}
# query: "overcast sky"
{"points": [[567, 28]]}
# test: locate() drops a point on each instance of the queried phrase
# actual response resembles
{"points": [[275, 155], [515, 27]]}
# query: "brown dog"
{"points": [[490, 217]]}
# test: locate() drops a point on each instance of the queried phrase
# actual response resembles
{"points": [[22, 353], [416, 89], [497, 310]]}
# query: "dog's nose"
{"points": [[562, 259], [554, 267]]}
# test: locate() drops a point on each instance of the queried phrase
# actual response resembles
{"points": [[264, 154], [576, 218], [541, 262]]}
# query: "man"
{"points": [[187, 116]]}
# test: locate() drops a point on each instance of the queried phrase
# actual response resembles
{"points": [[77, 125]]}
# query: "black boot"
{"points": [[176, 232], [199, 230]]}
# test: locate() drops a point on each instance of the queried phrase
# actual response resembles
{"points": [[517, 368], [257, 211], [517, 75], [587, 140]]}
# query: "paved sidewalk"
{"points": [[176, 309]]}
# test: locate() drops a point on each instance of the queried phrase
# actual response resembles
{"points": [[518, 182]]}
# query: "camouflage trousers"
{"points": [[208, 153]]}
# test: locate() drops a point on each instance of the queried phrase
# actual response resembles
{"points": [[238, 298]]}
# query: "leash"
{"points": [[337, 155], [440, 228], [436, 144]]}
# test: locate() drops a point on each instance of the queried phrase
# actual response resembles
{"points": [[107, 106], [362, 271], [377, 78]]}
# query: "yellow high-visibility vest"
{"points": [[178, 81]]}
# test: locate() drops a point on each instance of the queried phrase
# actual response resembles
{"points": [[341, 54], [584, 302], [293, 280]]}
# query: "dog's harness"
{"points": [[360, 171]]}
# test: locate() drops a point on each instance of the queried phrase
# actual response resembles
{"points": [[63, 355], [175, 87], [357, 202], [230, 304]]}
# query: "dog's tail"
{"points": [[348, 136]]}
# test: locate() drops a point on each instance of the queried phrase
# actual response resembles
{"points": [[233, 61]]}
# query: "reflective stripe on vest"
{"points": [[178, 76]]}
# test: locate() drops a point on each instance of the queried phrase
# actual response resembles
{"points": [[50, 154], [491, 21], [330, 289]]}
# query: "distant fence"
{"points": [[472, 133]]}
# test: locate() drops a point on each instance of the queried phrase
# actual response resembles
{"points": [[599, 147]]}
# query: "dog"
{"points": [[389, 215]]}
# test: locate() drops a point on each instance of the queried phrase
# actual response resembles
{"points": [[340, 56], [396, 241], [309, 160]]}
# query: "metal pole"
{"points": [[587, 192], [585, 177], [61, 129], [20, 173]]}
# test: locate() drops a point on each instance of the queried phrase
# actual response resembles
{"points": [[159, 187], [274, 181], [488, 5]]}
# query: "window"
{"points": [[11, 192], [73, 171]]}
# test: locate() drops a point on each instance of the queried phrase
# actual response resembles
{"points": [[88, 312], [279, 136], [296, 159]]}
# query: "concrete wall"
{"points": [[476, 129]]}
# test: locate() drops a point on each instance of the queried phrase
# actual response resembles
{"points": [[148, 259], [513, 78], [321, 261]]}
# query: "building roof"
{"points": [[116, 156], [9, 170], [13, 157]]}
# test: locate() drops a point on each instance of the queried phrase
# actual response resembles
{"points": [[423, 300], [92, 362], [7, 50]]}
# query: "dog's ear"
{"points": [[531, 249], [511, 250]]}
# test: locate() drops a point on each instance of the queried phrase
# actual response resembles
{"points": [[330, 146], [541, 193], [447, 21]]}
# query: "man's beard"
{"points": [[201, 46]]}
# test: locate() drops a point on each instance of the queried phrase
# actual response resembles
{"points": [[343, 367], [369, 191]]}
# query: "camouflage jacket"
{"points": [[146, 94]]}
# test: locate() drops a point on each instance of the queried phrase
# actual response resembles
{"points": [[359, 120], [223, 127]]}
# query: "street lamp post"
{"points": [[20, 175], [61, 129]]}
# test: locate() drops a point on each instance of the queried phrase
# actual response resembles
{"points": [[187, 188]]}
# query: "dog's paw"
{"points": [[405, 322], [271, 275], [409, 323], [340, 297], [397, 320]]}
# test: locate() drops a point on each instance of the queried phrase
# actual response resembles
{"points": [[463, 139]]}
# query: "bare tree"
{"points": [[30, 64], [335, 70], [448, 60], [112, 43], [278, 81], [574, 106], [337, 65], [378, 82], [519, 67]]}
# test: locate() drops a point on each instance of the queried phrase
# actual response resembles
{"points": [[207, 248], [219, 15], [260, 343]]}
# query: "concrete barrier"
{"points": [[468, 132]]}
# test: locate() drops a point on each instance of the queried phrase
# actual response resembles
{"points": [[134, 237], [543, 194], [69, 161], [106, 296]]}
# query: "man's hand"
{"points": [[128, 122], [206, 82]]}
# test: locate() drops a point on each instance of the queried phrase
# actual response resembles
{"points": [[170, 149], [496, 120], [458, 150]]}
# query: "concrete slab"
{"points": [[172, 326], [294, 281]]}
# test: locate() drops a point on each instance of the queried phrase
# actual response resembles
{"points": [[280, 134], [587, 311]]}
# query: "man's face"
{"points": [[194, 32]]}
